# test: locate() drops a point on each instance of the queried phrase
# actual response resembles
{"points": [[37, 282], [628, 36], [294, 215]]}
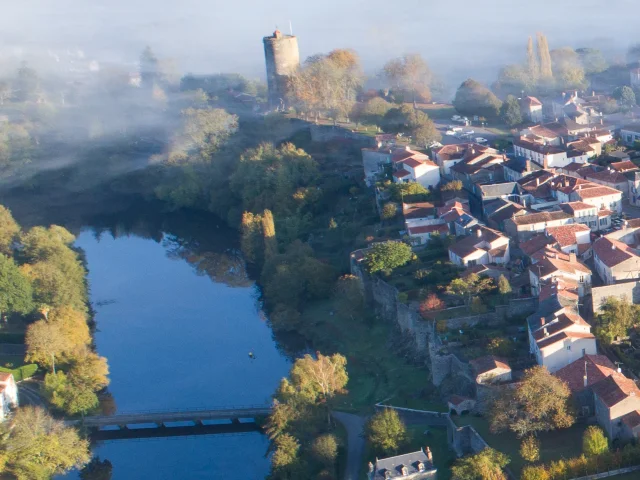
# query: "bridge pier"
{"points": [[123, 427], [235, 421], [198, 422]]}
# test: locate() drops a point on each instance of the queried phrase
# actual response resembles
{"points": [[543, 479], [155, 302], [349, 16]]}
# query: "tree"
{"points": [[513, 80], [504, 287], [473, 98], [203, 132], [625, 96], [452, 186], [9, 230], [348, 296], [544, 57], [633, 54], [533, 68], [530, 448], [372, 111], [27, 84], [389, 211], [510, 111], [387, 256], [616, 318], [284, 461], [535, 473], [269, 234], [321, 377], [35, 446], [410, 73], [594, 441], [429, 304], [386, 432], [469, 287], [251, 238], [16, 295], [541, 402], [426, 133], [44, 341], [568, 70], [485, 465], [592, 60], [328, 84], [325, 450], [97, 469], [91, 370], [408, 192]]}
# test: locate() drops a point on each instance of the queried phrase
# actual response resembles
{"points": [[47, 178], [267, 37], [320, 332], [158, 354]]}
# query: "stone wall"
{"points": [[630, 289], [444, 364], [612, 473], [515, 307], [464, 440], [410, 415]]}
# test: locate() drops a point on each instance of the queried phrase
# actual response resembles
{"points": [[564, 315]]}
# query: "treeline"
{"points": [[43, 280]]}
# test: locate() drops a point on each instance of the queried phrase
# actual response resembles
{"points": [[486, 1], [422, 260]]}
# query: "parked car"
{"points": [[456, 118], [434, 145], [469, 132], [449, 132], [456, 129], [481, 140]]}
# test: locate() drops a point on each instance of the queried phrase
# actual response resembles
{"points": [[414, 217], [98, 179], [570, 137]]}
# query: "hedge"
{"points": [[23, 372]]}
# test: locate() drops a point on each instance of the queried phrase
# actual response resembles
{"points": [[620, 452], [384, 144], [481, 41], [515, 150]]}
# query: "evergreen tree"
{"points": [[15, 290], [544, 57], [533, 68], [510, 111], [251, 240], [269, 234], [386, 432]]}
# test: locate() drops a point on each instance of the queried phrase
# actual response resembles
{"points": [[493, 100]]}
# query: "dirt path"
{"points": [[354, 424]]}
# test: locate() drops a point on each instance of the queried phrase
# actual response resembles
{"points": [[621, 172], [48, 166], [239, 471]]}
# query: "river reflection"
{"points": [[177, 316]]}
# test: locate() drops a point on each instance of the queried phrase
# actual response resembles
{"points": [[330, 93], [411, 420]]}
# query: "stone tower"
{"points": [[282, 58]]}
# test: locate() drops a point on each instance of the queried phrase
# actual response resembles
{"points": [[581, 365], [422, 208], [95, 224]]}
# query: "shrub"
{"points": [[530, 449], [23, 372], [594, 441]]}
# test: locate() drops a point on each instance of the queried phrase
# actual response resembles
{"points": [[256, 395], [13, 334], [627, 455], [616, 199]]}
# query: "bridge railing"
{"points": [[191, 410]]}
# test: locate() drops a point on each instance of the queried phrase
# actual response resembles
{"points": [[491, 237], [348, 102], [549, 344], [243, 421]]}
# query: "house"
{"points": [[517, 168], [605, 198], [413, 466], [531, 107], [551, 265], [581, 375], [544, 134], [374, 161], [8, 394], [449, 155], [410, 166], [422, 234], [560, 338], [483, 246], [464, 224], [629, 134], [535, 244], [617, 401], [418, 212], [583, 213], [609, 178], [545, 155], [492, 191], [624, 166], [459, 404], [634, 188], [573, 238], [479, 168], [498, 210], [490, 370], [523, 227], [615, 261], [589, 146]]}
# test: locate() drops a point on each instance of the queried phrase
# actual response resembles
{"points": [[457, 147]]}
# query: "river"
{"points": [[176, 318]]}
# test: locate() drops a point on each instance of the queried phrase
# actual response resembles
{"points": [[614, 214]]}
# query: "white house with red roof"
{"points": [[8, 394], [615, 260], [532, 109], [560, 338], [572, 238], [482, 247], [412, 166], [554, 265]]}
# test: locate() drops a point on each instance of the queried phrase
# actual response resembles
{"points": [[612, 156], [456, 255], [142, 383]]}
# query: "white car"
{"points": [[469, 132], [456, 118], [449, 132], [457, 129], [435, 145], [481, 140]]}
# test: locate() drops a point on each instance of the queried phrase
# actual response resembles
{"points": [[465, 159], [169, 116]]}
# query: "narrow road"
{"points": [[29, 394], [354, 424]]}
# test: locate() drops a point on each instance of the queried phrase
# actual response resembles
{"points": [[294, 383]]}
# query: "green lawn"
{"points": [[375, 372], [554, 445]]}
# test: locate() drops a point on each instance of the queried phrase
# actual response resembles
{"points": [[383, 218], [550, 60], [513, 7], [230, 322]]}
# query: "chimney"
{"points": [[546, 332], [527, 164], [580, 187], [542, 321], [478, 233], [563, 95], [566, 182], [613, 247], [429, 454], [538, 182], [586, 380], [619, 370], [601, 121], [545, 162], [572, 257]]}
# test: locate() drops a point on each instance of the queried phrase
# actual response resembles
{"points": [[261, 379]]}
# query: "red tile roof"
{"points": [[412, 162], [552, 340], [598, 367], [441, 229], [535, 244], [624, 166], [573, 207], [488, 363], [631, 419], [5, 377], [615, 388], [401, 173], [565, 235], [418, 210], [597, 192], [612, 252], [541, 217]]}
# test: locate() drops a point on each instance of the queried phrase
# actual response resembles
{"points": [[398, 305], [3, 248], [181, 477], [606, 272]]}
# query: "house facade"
{"points": [[482, 247], [413, 466], [8, 394], [615, 261]]}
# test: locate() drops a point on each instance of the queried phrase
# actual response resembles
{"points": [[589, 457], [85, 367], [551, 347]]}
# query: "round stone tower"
{"points": [[282, 58]]}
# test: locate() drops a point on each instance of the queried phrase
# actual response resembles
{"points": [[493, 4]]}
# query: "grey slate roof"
{"points": [[394, 465], [500, 189]]}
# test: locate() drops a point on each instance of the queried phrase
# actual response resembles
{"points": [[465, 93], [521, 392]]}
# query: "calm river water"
{"points": [[177, 316]]}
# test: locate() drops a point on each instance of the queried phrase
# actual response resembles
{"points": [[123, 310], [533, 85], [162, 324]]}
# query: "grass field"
{"points": [[375, 372], [554, 445]]}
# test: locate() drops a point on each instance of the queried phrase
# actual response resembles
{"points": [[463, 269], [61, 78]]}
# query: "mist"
{"points": [[458, 38]]}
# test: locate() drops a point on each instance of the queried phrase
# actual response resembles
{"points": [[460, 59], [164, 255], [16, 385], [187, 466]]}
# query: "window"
{"points": [[593, 224], [584, 352], [603, 221], [568, 347], [581, 278]]}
